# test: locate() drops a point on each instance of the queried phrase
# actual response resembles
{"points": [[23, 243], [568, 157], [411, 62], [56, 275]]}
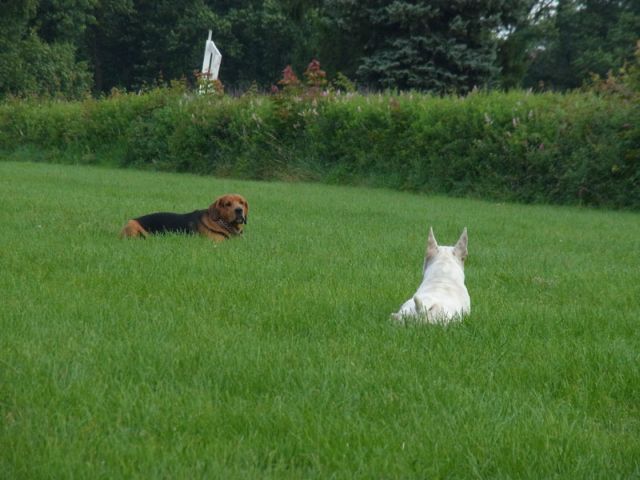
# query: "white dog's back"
{"points": [[442, 296]]}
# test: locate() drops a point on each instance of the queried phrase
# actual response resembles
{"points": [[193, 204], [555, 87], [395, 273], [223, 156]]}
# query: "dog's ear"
{"points": [[432, 246], [214, 209], [460, 250]]}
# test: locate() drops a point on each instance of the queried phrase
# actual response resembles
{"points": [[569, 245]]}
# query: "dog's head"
{"points": [[232, 209], [456, 254]]}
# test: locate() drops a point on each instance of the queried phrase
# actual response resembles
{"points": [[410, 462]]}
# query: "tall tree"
{"points": [[261, 37], [109, 45], [438, 45], [584, 38], [526, 26], [35, 61], [134, 43]]}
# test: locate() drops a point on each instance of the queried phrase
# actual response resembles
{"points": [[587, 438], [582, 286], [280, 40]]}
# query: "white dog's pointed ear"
{"points": [[460, 250], [432, 245]]}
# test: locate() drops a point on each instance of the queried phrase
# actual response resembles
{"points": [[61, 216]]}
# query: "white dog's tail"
{"points": [[432, 313]]}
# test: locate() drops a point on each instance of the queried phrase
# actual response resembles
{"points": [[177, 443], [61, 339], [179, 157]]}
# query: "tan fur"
{"points": [[212, 230], [224, 208], [133, 229]]}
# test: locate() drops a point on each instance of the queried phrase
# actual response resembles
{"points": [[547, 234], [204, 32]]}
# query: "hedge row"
{"points": [[578, 148]]}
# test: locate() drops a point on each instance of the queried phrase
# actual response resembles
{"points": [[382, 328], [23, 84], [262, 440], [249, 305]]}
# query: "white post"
{"points": [[212, 59]]}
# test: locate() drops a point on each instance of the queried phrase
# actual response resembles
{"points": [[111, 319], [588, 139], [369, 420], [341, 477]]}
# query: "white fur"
{"points": [[442, 296]]}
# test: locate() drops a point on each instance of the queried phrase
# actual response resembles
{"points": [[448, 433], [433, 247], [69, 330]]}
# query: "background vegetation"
{"points": [[273, 356], [576, 148], [69, 48]]}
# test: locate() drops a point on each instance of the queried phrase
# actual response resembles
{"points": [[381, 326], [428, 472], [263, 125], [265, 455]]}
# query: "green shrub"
{"points": [[576, 148]]}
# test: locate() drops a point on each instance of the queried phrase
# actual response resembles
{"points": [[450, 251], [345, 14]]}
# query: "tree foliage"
{"points": [[584, 37], [31, 64], [68, 47], [437, 45]]}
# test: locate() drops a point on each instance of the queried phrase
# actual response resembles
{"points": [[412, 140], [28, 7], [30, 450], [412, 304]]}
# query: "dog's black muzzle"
{"points": [[240, 218]]}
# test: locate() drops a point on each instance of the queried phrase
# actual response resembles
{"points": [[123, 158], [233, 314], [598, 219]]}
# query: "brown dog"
{"points": [[225, 218]]}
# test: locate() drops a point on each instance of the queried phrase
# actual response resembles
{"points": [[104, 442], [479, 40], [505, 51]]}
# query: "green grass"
{"points": [[273, 356]]}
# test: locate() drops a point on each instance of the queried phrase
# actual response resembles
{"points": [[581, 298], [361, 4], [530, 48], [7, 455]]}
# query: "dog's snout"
{"points": [[239, 211]]}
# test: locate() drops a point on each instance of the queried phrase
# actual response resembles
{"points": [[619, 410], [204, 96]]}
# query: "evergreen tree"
{"points": [[439, 45]]}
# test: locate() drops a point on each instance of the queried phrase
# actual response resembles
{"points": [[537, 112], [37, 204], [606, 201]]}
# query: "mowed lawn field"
{"points": [[273, 356]]}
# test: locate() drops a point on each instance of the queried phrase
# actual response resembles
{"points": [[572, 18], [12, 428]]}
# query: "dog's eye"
{"points": [[228, 204]]}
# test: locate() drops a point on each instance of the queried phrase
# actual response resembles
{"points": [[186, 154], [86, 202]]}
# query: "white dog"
{"points": [[442, 295]]}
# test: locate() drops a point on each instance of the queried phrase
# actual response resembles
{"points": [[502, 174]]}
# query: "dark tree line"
{"points": [[71, 47]]}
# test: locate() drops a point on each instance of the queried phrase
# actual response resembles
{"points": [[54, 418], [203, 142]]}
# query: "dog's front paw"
{"points": [[398, 319]]}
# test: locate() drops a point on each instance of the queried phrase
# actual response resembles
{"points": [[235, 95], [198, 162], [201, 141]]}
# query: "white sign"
{"points": [[212, 59]]}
